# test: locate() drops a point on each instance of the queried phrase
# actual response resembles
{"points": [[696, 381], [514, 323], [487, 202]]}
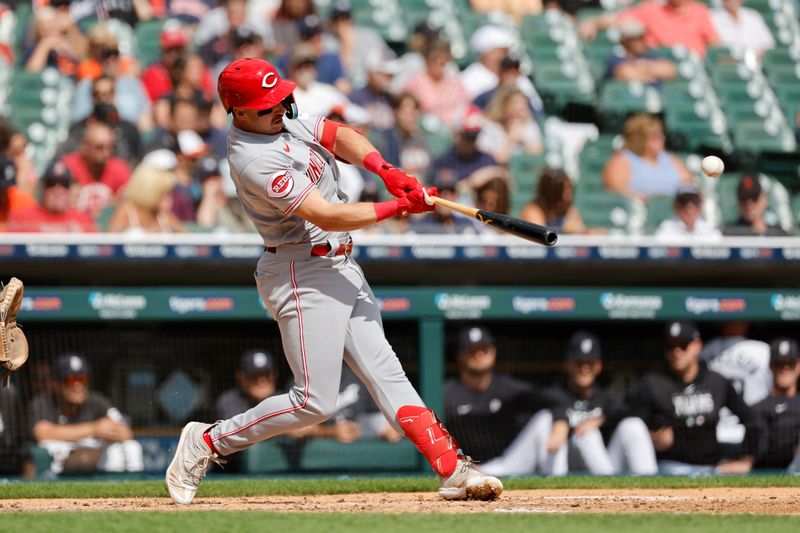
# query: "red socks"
{"points": [[207, 440], [426, 431]]}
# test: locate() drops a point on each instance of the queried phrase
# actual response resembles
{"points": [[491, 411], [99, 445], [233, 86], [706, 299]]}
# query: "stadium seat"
{"points": [[603, 209], [659, 209], [147, 41]]}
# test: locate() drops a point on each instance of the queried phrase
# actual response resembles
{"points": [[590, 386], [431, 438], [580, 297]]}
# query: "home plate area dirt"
{"points": [[711, 500]]}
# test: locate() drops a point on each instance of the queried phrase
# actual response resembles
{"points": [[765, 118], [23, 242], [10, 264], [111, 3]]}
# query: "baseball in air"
{"points": [[712, 166]]}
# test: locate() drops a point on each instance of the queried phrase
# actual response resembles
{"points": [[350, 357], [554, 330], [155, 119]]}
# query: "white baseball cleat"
{"points": [[192, 460], [467, 483]]}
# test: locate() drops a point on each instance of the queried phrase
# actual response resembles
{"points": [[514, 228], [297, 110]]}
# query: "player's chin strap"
{"points": [[290, 106], [426, 431]]}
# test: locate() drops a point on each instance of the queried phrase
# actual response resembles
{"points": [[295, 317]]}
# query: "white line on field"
{"points": [[648, 498]]}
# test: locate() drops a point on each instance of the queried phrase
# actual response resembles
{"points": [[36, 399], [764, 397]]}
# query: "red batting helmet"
{"points": [[255, 84]]}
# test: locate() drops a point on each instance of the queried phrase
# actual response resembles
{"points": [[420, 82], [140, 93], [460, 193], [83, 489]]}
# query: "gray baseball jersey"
{"points": [[275, 173], [324, 307]]}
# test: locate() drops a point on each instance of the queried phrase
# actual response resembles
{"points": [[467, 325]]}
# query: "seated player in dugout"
{"points": [[778, 415], [283, 163], [596, 431], [74, 419], [503, 421], [681, 407]]}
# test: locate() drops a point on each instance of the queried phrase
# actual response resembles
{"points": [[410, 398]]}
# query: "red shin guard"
{"points": [[426, 431]]}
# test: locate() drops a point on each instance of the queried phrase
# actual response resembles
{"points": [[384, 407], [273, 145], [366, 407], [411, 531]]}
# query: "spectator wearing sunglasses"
{"points": [[688, 221], [55, 212], [73, 417]]}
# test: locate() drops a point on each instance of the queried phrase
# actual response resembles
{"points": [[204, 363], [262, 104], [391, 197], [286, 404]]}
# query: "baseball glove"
{"points": [[13, 344]]}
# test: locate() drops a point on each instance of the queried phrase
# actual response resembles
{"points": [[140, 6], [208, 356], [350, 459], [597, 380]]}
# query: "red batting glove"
{"points": [[412, 203], [397, 182]]}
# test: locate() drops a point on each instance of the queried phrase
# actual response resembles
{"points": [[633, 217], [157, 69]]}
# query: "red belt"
{"points": [[322, 250]]}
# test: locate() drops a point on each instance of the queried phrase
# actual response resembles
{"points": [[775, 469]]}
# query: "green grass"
{"points": [[216, 487], [232, 522]]}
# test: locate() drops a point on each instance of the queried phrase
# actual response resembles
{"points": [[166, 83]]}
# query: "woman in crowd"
{"points": [[553, 205], [643, 168], [510, 128], [147, 205]]}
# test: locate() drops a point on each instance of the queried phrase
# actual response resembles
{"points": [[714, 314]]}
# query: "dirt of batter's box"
{"points": [[708, 500]]}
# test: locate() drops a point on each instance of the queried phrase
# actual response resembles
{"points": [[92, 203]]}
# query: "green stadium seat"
{"points": [[783, 166], [603, 209], [147, 41], [659, 209], [525, 170], [361, 455]]}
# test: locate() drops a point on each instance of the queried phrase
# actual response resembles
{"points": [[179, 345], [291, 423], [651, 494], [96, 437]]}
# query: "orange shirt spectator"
{"points": [[55, 213], [12, 199], [684, 22]]}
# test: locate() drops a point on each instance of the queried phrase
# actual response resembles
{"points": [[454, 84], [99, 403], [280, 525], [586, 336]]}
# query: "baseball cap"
{"points": [[173, 37], [490, 37], [783, 350], [474, 336], [302, 53], [207, 167], [471, 121], [257, 360], [57, 174], [162, 158], [681, 332], [688, 193], [106, 113], [191, 144], [583, 346], [8, 172], [243, 35], [309, 26], [427, 29], [341, 9], [71, 364], [631, 29], [749, 189]]}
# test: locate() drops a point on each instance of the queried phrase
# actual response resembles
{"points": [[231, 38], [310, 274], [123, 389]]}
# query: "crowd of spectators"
{"points": [[455, 125]]}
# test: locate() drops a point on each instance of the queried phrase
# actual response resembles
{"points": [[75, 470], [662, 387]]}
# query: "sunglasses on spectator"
{"points": [[109, 53], [52, 182], [686, 199], [83, 379]]}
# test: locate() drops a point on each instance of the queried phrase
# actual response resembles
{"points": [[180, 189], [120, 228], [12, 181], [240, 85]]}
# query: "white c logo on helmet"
{"points": [[267, 83]]}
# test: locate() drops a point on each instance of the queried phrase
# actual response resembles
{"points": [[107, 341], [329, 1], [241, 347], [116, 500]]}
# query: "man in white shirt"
{"points": [[492, 44], [688, 207], [741, 27]]}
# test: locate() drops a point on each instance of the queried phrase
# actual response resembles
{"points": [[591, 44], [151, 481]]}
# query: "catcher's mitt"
{"points": [[13, 344]]}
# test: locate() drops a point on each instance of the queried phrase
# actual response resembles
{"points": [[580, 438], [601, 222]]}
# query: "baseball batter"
{"points": [[287, 180]]}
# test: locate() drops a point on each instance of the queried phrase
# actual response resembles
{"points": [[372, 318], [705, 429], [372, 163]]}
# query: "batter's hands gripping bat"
{"points": [[515, 226]]}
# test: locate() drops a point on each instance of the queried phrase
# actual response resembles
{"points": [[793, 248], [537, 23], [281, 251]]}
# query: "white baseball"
{"points": [[712, 166]]}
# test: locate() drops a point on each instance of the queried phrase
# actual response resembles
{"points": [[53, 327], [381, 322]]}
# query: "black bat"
{"points": [[515, 226]]}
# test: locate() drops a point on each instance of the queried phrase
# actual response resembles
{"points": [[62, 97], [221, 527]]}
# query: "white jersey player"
{"points": [[287, 180]]}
